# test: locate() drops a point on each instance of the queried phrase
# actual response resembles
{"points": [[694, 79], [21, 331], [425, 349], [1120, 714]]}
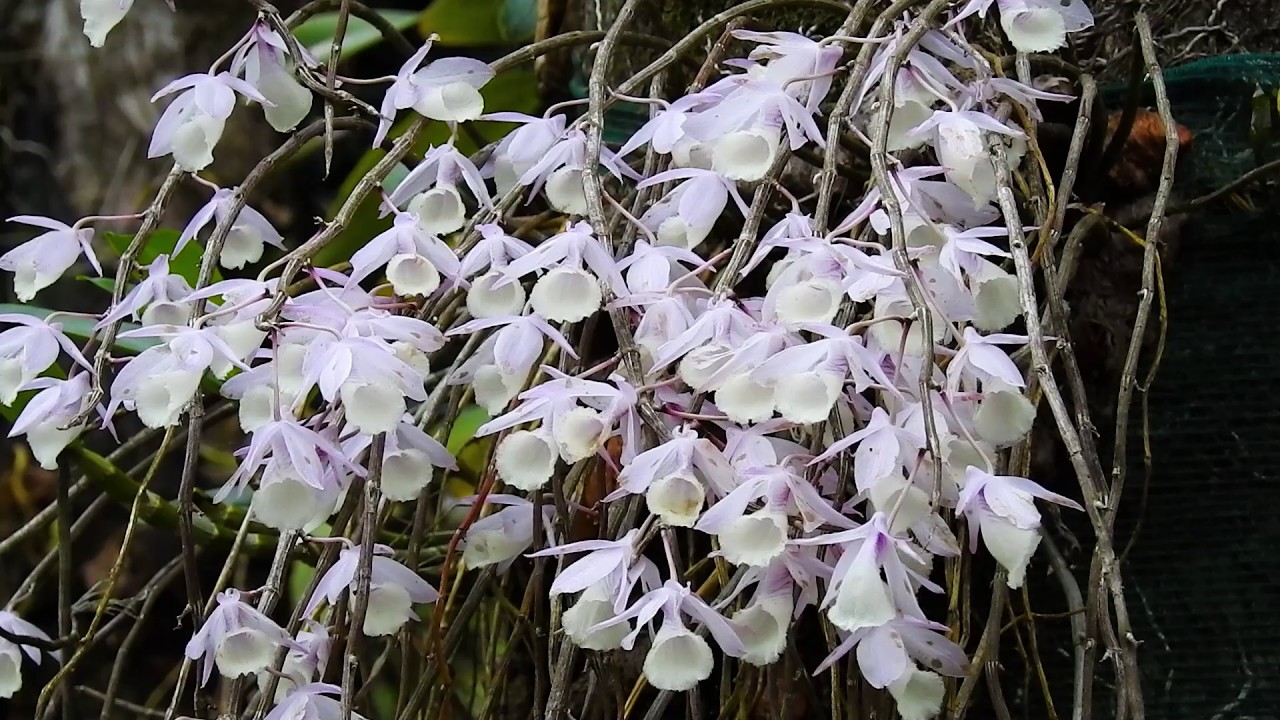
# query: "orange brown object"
{"points": [[1138, 169], [595, 486]]}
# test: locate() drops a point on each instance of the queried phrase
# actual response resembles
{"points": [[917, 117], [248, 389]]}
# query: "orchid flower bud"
{"points": [[100, 16]]}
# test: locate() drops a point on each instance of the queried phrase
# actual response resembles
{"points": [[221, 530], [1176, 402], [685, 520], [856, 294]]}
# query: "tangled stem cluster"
{"points": [[822, 402]]}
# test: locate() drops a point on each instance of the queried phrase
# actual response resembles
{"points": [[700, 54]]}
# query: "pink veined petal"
{"points": [[198, 221], [214, 98]]}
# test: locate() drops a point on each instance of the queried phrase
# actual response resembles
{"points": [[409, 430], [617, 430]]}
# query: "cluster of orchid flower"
{"points": [[743, 386]]}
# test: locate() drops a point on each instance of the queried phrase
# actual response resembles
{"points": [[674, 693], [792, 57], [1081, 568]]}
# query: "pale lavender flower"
{"points": [[678, 659], [980, 358], [1001, 508], [666, 128], [414, 258], [494, 293], [874, 580], [160, 299], [39, 262], [42, 420], [159, 382], [684, 217], [521, 148], [409, 460], [561, 168], [11, 653], [310, 702], [393, 590], [266, 65], [100, 16], [192, 124], [568, 292], [430, 190], [237, 638], [372, 381], [245, 241], [501, 537], [885, 657], [308, 656], [28, 350], [791, 56]]}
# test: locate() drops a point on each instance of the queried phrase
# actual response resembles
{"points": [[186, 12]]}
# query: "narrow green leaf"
{"points": [[464, 23], [81, 327], [162, 242], [317, 32], [519, 20]]}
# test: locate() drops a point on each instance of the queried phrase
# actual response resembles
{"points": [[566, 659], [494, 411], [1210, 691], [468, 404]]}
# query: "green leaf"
{"points": [[519, 20], [464, 23], [82, 327], [470, 418], [162, 242], [513, 90], [103, 283], [317, 32]]}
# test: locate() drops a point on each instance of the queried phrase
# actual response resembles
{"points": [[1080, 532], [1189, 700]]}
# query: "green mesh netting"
{"points": [[1203, 576]]}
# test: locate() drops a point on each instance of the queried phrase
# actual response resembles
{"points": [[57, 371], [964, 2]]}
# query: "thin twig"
{"points": [[364, 570]]}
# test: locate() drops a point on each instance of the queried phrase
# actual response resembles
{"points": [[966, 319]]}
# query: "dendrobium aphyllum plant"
{"points": [[771, 404]]}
